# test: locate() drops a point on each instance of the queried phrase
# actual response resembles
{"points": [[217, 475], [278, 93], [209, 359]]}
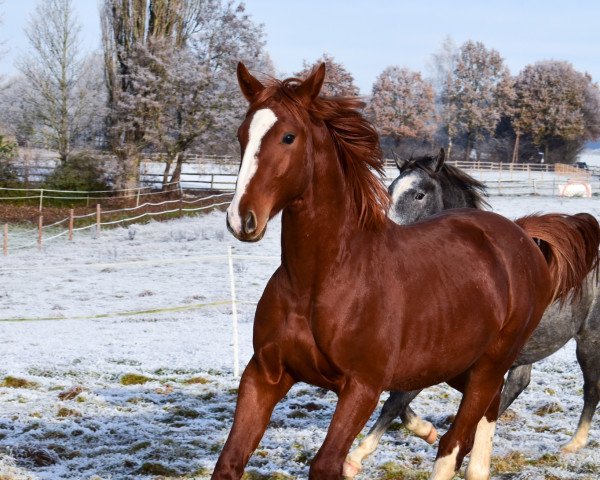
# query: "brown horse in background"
{"points": [[469, 286]]}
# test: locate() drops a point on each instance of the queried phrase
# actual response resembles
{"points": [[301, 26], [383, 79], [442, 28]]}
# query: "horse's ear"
{"points": [[439, 161], [249, 85], [399, 162], [309, 89]]}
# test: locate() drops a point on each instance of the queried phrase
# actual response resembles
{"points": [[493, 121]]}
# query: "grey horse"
{"points": [[426, 186]]}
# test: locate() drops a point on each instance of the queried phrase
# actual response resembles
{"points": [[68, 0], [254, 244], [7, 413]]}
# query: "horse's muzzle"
{"points": [[248, 228]]}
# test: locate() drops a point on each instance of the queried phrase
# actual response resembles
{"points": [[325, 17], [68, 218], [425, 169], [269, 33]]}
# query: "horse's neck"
{"points": [[454, 197], [316, 226]]}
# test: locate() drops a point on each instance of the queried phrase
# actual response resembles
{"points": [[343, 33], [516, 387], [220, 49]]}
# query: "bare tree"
{"points": [[53, 69], [442, 66], [338, 80], [402, 105], [169, 70]]}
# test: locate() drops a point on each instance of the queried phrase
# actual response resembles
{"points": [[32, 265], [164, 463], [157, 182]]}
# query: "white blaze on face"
{"points": [[261, 123], [404, 184]]}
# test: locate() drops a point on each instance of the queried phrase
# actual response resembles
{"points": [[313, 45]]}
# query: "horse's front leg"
{"points": [[396, 404], [259, 392], [356, 402]]}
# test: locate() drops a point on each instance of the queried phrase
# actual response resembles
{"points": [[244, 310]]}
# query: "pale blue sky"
{"points": [[366, 36]]}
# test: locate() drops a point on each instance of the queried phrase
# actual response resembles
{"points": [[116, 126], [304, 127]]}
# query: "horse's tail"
{"points": [[570, 244]]}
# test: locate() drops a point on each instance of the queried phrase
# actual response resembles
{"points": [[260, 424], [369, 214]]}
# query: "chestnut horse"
{"points": [[426, 186], [323, 318]]}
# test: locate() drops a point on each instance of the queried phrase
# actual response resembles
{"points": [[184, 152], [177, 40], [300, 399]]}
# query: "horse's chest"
{"points": [[304, 354]]}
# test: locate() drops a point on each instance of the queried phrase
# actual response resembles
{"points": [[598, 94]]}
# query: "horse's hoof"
{"points": [[431, 436], [570, 448], [351, 468]]}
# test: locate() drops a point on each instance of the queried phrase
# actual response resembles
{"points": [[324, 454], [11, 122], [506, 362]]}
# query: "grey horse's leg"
{"points": [[517, 381], [588, 355], [396, 405]]}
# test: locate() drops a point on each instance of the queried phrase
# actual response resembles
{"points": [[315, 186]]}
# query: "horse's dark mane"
{"points": [[475, 191], [356, 142]]}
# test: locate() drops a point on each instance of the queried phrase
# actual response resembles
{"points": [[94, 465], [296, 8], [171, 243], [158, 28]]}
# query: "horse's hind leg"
{"points": [[588, 355], [396, 404], [415, 424], [517, 380]]}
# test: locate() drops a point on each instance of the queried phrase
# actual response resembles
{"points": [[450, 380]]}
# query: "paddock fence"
{"points": [[198, 191], [97, 219]]}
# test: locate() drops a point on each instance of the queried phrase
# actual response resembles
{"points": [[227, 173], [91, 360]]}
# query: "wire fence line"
{"points": [[500, 179], [215, 201]]}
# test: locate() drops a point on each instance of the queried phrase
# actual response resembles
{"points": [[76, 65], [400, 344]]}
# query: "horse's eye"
{"points": [[420, 196], [288, 138]]}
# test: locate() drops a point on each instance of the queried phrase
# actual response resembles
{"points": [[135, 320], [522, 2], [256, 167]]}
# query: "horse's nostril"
{"points": [[250, 223]]}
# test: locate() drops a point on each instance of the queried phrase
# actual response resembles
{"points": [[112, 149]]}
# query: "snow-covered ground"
{"points": [[151, 300]]}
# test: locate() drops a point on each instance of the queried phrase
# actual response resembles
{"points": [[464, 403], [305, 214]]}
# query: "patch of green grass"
{"points": [[396, 471], [53, 435], [395, 427], [298, 414], [511, 463], [155, 468], [196, 380], [549, 408], [254, 475], [185, 412], [134, 379], [15, 382], [546, 460], [139, 446], [71, 393], [65, 412]]}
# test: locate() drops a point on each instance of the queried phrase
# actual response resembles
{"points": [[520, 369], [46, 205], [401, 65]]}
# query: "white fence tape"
{"points": [[234, 302]]}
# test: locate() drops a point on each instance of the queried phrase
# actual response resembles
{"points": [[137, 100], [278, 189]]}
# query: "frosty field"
{"points": [[116, 363]]}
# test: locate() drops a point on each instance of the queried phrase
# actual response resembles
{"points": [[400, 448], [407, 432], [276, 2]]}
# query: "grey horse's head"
{"points": [[426, 186], [417, 192]]}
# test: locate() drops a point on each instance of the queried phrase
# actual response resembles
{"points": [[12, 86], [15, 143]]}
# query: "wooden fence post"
{"points": [[5, 242], [98, 217], [40, 226], [71, 224], [41, 199]]}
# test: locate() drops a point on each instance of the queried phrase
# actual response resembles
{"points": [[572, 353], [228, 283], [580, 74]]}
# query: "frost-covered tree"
{"points": [[441, 70], [53, 68], [201, 98], [170, 67], [402, 105], [473, 95], [555, 102], [338, 80]]}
